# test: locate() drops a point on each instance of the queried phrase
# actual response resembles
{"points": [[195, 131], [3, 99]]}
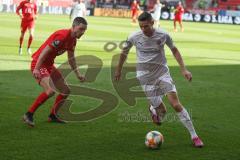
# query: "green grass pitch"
{"points": [[211, 52]]}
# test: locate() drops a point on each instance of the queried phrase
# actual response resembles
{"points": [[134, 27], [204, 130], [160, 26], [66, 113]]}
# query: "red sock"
{"points": [[40, 100], [30, 41], [57, 103], [21, 41]]}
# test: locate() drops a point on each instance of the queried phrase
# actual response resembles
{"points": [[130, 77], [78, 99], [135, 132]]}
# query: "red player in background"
{"points": [[134, 10], [44, 71], [178, 16], [28, 15]]}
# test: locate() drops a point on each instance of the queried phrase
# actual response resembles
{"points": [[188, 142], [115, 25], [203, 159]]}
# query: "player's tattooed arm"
{"points": [[178, 57], [73, 64], [123, 56]]}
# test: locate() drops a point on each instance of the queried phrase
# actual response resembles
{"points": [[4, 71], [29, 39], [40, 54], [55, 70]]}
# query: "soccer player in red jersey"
{"points": [[134, 10], [42, 68], [28, 15], [178, 16]]}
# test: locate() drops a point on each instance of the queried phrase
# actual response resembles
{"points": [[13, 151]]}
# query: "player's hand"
{"points": [[81, 78], [36, 73], [21, 17], [117, 75], [35, 17], [187, 75]]}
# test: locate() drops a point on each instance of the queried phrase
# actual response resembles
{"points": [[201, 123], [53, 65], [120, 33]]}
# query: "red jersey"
{"points": [[28, 10], [134, 7], [60, 41], [179, 11]]}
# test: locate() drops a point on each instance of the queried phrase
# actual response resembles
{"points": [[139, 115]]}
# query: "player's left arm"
{"points": [[35, 11], [73, 64], [178, 57]]}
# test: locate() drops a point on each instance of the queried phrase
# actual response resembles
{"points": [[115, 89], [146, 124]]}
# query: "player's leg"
{"points": [[157, 19], [43, 81], [157, 113], [21, 38], [184, 117], [134, 16], [30, 39], [156, 23], [174, 25], [157, 108], [47, 92], [181, 26], [59, 85]]}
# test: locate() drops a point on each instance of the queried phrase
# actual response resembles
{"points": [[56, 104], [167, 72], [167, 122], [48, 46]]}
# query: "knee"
{"points": [[50, 93], [177, 106], [65, 91], [22, 35], [162, 108]]}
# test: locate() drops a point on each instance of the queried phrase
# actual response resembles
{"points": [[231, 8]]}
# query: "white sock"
{"points": [[153, 110], [187, 122]]}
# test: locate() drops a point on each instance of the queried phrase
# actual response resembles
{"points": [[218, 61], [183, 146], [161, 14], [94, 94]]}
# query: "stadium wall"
{"points": [[209, 16], [195, 16], [44, 7]]}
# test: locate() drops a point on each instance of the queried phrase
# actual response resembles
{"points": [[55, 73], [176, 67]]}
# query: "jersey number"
{"points": [[28, 10]]}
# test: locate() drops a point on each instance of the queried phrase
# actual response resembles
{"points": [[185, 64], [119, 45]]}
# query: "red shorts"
{"points": [[134, 13], [178, 18], [27, 25], [47, 71]]}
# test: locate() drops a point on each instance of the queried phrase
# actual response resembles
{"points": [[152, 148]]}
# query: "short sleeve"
{"points": [[56, 41], [169, 41]]}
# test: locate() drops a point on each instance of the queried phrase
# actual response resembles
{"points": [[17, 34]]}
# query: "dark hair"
{"points": [[145, 16], [78, 20]]}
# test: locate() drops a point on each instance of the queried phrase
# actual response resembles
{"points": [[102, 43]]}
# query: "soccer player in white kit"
{"points": [[78, 10], [153, 72], [157, 13]]}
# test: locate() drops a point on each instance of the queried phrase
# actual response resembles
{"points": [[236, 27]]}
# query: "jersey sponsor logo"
{"points": [[55, 43], [140, 43]]}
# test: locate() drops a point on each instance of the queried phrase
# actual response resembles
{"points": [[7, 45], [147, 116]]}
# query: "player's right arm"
{"points": [[42, 57], [70, 15], [123, 56], [19, 7]]}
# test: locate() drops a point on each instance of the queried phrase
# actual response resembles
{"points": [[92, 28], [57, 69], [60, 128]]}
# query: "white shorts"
{"points": [[156, 90], [156, 17]]}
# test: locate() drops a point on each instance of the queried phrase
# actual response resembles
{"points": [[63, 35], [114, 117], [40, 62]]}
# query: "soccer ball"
{"points": [[154, 140]]}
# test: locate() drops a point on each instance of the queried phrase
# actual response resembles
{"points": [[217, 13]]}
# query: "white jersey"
{"points": [[157, 11], [78, 10], [151, 59]]}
